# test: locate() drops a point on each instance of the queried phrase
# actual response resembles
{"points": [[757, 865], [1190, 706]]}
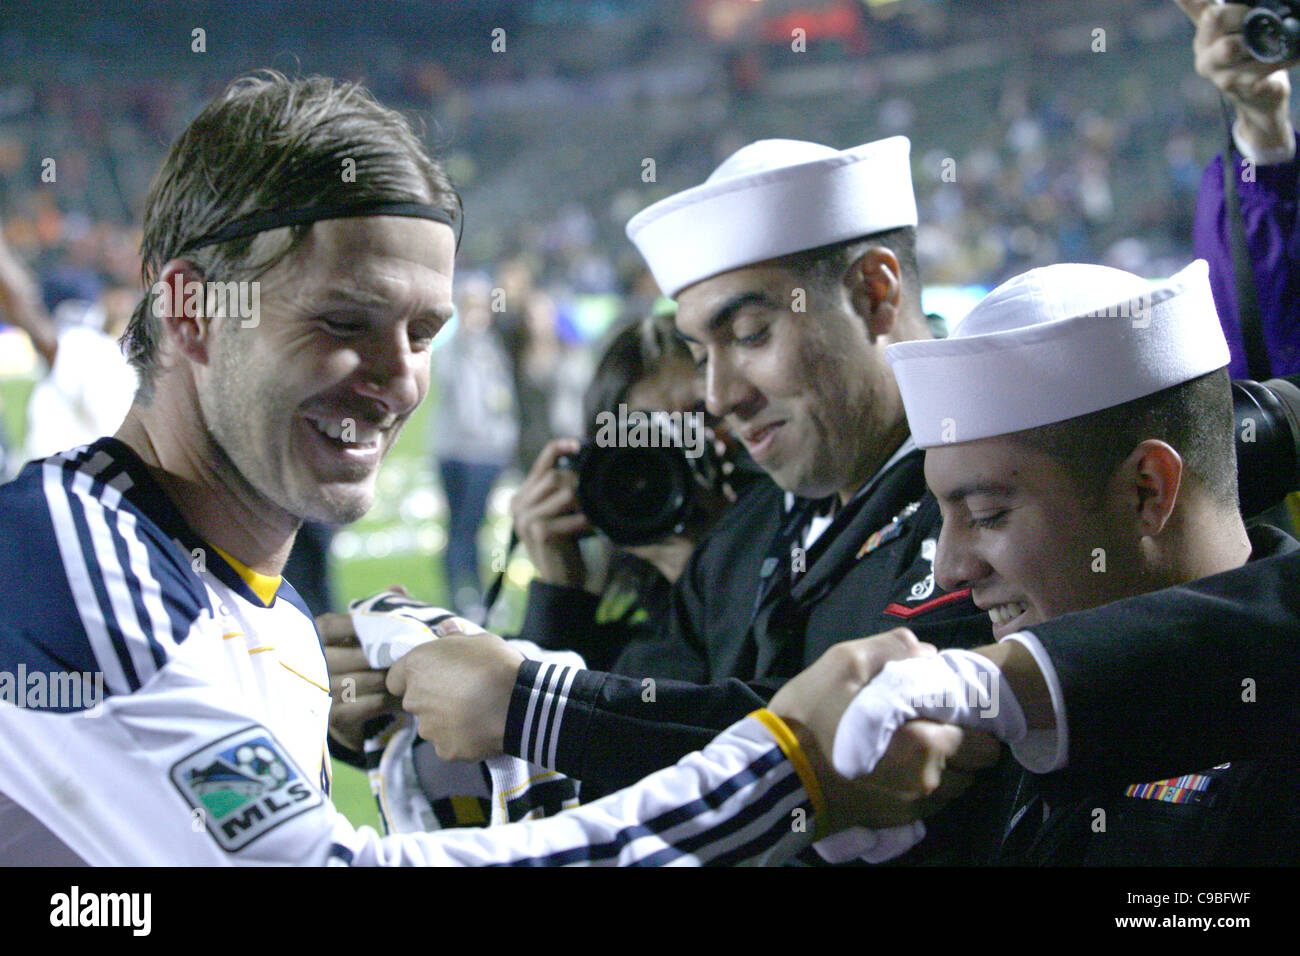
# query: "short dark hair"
{"points": [[270, 143], [634, 353], [1194, 418], [825, 266]]}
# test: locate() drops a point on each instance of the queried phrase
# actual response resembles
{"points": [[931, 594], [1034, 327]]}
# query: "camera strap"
{"points": [[1248, 318], [494, 591]]}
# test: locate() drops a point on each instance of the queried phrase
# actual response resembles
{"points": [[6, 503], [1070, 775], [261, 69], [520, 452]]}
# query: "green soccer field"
{"points": [[399, 542]]}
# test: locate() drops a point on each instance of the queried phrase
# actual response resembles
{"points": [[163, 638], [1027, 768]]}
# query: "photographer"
{"points": [[644, 368], [1263, 135]]}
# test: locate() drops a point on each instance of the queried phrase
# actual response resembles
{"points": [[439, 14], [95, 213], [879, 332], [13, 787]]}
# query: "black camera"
{"points": [[1271, 30], [645, 482], [1268, 441]]}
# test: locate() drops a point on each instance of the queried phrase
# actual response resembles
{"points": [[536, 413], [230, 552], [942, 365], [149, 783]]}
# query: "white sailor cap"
{"points": [[772, 198], [1056, 343]]}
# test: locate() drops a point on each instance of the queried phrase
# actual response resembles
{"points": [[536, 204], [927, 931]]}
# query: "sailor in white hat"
{"points": [[1078, 430], [1078, 427], [793, 266]]}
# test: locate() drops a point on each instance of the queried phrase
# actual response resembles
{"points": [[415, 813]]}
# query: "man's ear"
{"points": [[178, 301], [1154, 475], [875, 286]]}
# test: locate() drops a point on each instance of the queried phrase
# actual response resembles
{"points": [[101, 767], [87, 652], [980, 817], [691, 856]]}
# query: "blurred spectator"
{"points": [[89, 385], [1268, 193], [530, 343], [475, 432], [545, 140]]}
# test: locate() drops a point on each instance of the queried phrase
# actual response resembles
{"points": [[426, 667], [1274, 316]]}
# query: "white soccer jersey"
{"points": [[208, 746]]}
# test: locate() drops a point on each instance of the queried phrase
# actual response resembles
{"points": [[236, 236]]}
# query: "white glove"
{"points": [[955, 687]]}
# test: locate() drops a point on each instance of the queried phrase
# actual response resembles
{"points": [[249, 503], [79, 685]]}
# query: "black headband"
{"points": [[261, 222]]}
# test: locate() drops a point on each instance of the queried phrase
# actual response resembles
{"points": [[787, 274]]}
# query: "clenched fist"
{"points": [[926, 764], [459, 688]]}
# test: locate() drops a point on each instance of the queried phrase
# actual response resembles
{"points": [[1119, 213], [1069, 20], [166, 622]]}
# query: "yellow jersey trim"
{"points": [[263, 585], [789, 745], [300, 674]]}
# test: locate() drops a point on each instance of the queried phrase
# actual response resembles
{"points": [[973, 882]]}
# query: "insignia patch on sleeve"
{"points": [[243, 786]]}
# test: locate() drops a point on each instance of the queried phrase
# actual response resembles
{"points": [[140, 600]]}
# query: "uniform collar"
{"points": [[1267, 541], [149, 497], [829, 506]]}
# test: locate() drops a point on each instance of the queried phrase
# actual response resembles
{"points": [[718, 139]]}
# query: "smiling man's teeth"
{"points": [[1002, 613], [355, 435]]}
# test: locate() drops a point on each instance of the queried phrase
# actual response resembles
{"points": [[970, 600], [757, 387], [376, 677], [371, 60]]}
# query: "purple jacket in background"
{"points": [[1268, 208]]}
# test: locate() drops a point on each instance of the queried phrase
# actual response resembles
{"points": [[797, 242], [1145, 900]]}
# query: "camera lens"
{"points": [[635, 495], [1269, 37], [1268, 442]]}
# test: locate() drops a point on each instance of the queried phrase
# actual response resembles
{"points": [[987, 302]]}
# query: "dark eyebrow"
{"points": [[366, 298], [992, 488], [727, 311]]}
